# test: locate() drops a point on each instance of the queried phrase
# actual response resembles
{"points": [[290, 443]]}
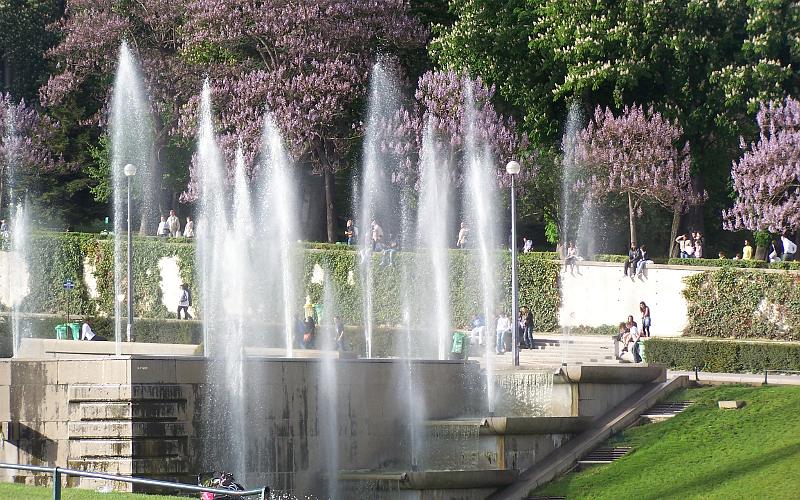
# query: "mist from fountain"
{"points": [[278, 232], [572, 207], [480, 202], [131, 131], [432, 266], [18, 273], [374, 192], [329, 384]]}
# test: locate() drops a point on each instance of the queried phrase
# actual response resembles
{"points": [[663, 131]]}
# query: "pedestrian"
{"points": [[631, 262], [572, 258], [185, 302], [747, 251], [645, 310], [309, 333], [699, 245], [682, 240], [163, 229], [689, 250], [377, 236], [351, 232], [88, 334], [478, 326], [527, 335], [188, 229], [644, 259], [387, 258], [463, 236], [527, 245], [502, 328], [339, 328], [774, 256], [789, 247], [174, 224], [633, 337]]}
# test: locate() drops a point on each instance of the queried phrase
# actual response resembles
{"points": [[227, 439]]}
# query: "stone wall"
{"points": [[599, 294]]}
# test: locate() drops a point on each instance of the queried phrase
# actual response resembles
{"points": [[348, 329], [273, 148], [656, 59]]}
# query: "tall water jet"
{"points": [[432, 238], [221, 254], [480, 203], [17, 273], [131, 131], [383, 99], [328, 384], [277, 240]]}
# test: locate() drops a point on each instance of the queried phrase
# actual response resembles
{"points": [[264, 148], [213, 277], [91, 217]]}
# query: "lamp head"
{"points": [[513, 167], [129, 170]]}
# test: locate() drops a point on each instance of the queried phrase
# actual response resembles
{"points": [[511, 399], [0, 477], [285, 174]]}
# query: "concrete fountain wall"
{"points": [[143, 415]]}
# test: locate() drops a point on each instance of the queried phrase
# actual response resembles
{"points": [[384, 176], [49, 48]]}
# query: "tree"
{"points": [[441, 101], [766, 178], [307, 62], [635, 155], [24, 136]]}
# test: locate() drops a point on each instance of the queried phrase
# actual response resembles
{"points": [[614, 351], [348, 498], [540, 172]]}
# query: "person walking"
{"points": [[351, 232], [188, 229], [174, 224], [645, 310], [633, 337], [163, 229], [185, 302], [747, 251], [503, 327], [789, 247], [527, 334], [339, 328], [463, 236]]}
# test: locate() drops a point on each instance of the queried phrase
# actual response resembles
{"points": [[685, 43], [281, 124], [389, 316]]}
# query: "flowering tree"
{"points": [[767, 176], [442, 103], [307, 62], [24, 136], [635, 155]]}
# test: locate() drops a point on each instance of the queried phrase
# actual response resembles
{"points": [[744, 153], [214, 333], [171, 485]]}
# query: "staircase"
{"points": [[554, 350]]}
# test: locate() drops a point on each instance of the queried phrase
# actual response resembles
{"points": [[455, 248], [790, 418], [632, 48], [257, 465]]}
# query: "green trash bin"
{"points": [[61, 332], [76, 330], [460, 348]]}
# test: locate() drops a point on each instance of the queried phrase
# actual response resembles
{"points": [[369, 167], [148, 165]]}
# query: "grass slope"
{"points": [[704, 452], [19, 492]]}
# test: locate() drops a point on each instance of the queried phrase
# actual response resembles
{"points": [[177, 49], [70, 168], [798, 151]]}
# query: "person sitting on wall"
{"points": [[88, 334], [632, 260]]}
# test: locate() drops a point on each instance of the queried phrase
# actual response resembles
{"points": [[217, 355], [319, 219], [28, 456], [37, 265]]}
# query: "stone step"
{"points": [[604, 455], [122, 410], [128, 392], [136, 448], [112, 429]]}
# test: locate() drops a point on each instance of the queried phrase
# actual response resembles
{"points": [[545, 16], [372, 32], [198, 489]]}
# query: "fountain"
{"points": [[374, 192], [433, 285], [131, 131], [328, 384], [17, 273], [480, 202]]}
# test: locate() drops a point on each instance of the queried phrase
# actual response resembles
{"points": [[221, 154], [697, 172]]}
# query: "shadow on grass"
{"points": [[711, 480]]}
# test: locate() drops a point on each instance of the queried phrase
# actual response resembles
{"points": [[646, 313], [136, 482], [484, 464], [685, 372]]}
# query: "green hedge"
{"points": [[722, 356], [55, 256], [749, 264], [728, 302]]}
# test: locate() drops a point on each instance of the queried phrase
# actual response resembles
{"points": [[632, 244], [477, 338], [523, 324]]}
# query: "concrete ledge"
{"points": [[434, 480], [614, 374]]}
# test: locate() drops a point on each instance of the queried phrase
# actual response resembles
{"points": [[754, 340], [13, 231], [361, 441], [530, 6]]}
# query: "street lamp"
{"points": [[513, 168], [130, 171]]}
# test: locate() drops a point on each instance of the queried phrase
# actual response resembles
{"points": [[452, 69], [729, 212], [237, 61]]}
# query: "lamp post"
{"points": [[130, 171], [513, 168]]}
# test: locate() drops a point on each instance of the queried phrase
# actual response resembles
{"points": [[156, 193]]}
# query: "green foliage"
{"points": [[703, 452], [99, 170], [55, 256], [743, 304], [751, 264], [17, 491], [723, 356]]}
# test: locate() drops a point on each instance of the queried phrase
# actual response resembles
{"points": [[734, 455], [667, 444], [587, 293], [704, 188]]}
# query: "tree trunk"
{"points": [[761, 252], [330, 215], [632, 217], [673, 233]]}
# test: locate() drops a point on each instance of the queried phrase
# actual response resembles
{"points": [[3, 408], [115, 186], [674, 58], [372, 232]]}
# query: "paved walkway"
{"points": [[739, 378]]}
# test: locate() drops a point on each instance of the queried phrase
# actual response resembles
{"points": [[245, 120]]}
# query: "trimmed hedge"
{"points": [[721, 356], [728, 302], [55, 256], [749, 264]]}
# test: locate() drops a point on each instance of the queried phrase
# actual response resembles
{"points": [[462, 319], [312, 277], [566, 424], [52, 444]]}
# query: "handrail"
{"points": [[57, 471]]}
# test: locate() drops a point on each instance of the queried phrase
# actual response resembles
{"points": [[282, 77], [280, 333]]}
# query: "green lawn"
{"points": [[20, 492], [705, 452]]}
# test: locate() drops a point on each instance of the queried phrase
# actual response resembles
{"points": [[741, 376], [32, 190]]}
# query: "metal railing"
{"points": [[58, 471]]}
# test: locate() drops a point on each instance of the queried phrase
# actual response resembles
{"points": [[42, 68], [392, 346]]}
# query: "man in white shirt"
{"points": [[174, 224], [162, 230], [633, 336], [789, 247], [503, 327]]}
